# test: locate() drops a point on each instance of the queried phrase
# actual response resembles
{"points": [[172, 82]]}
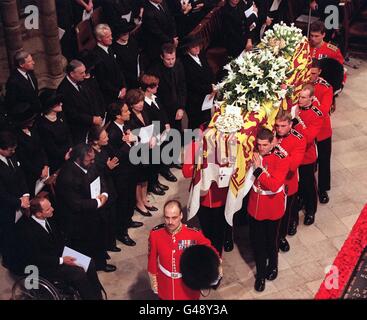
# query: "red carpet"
{"points": [[347, 259]]}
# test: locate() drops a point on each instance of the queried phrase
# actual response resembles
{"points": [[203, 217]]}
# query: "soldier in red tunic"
{"points": [[166, 245], [321, 49], [294, 144], [324, 93], [266, 205], [308, 122]]}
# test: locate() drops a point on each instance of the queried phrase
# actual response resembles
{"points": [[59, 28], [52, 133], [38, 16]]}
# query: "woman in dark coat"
{"points": [[199, 81], [53, 130]]}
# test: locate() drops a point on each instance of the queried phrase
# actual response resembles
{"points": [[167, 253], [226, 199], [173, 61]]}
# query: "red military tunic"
{"points": [[328, 50], [295, 146], [324, 93], [215, 197], [267, 196], [165, 250], [309, 123]]}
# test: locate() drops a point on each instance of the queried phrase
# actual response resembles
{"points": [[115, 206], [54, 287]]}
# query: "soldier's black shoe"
{"points": [[309, 219], [323, 197], [272, 274], [284, 245], [259, 284], [168, 175], [162, 186], [228, 245], [292, 229]]}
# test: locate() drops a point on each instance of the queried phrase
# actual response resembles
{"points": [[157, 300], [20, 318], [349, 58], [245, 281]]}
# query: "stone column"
{"points": [[50, 33], [12, 29]]}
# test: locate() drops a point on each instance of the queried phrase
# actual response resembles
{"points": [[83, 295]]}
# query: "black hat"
{"points": [[191, 41], [333, 72], [199, 266], [49, 98], [22, 113], [122, 28]]}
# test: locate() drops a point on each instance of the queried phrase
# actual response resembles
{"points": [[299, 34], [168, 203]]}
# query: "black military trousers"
{"points": [[264, 241], [213, 225], [307, 188], [324, 157], [290, 215]]}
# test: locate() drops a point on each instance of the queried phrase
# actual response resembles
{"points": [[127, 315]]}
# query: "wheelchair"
{"points": [[46, 290]]}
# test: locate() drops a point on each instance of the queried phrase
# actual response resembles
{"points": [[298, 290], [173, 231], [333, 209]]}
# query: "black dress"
{"points": [[56, 140], [127, 57]]}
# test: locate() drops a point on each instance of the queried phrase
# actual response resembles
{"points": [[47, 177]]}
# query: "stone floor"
{"points": [[312, 248]]}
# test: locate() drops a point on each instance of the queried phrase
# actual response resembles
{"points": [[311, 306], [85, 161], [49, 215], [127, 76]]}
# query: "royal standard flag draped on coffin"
{"points": [[257, 84]]}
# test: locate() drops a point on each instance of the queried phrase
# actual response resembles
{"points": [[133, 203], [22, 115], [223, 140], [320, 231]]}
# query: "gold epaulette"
{"points": [[323, 82], [332, 47], [193, 229]]}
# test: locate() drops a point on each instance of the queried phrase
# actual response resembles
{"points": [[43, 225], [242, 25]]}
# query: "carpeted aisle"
{"points": [[348, 256]]}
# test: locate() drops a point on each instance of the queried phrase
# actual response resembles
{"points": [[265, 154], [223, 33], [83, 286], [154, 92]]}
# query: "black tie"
{"points": [[48, 227], [161, 8], [10, 163], [79, 87], [110, 52], [30, 81]]}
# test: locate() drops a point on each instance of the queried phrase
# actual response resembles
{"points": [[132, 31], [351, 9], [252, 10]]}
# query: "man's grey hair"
{"points": [[100, 30], [73, 64], [19, 57]]}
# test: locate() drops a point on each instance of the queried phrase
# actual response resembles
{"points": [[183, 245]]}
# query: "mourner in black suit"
{"points": [[22, 85], [65, 21], [125, 174], [40, 243], [106, 164], [237, 31], [158, 28], [199, 81], [127, 54], [81, 108], [79, 6], [149, 84], [115, 9], [189, 13], [172, 85], [109, 75], [53, 130], [79, 213], [269, 14], [14, 194], [30, 151]]}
